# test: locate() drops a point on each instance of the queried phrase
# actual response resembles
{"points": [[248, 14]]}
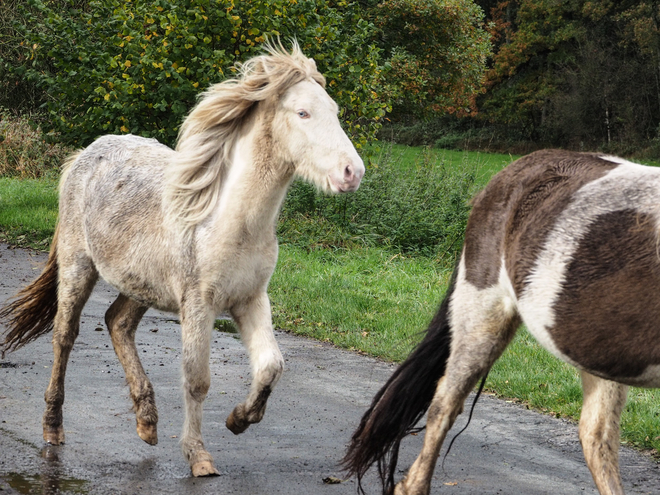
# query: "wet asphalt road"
{"points": [[310, 417]]}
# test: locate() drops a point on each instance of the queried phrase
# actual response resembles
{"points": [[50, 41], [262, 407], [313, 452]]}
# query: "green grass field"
{"points": [[28, 211], [484, 165], [374, 299]]}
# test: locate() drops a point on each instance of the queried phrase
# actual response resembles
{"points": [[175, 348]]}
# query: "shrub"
{"points": [[119, 67], [437, 52]]}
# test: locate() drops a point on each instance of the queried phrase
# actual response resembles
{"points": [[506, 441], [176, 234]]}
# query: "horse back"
{"points": [[111, 207], [578, 235]]}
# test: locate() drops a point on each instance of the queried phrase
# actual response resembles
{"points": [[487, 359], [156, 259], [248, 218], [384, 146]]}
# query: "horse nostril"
{"points": [[348, 174]]}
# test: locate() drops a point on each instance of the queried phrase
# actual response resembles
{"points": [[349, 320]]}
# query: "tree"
{"points": [[576, 73], [436, 51]]}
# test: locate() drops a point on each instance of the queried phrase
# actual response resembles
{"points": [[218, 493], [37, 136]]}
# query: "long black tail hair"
{"points": [[401, 403]]}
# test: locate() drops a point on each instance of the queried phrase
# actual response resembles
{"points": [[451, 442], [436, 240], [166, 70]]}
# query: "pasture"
{"points": [[360, 292]]}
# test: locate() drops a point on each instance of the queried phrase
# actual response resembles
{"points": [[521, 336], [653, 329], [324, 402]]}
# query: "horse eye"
{"points": [[303, 114]]}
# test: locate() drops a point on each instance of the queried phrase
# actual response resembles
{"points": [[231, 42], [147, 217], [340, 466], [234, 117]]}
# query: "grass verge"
{"points": [[28, 211], [372, 298]]}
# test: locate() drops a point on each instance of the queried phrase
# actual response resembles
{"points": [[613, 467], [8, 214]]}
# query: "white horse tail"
{"points": [[32, 312], [402, 402]]}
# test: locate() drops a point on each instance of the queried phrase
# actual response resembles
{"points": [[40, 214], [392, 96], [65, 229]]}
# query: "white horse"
{"points": [[190, 231]]}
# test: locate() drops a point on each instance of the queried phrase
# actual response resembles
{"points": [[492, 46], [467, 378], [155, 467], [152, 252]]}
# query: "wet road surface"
{"points": [[309, 420]]}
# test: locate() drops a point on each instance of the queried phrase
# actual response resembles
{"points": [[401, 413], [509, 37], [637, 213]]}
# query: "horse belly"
{"points": [[140, 288], [602, 310], [128, 242]]}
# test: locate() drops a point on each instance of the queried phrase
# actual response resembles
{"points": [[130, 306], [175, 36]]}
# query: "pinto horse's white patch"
{"points": [[628, 186], [470, 306]]}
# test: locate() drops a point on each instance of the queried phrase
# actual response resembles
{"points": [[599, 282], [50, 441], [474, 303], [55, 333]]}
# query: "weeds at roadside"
{"points": [[24, 150]]}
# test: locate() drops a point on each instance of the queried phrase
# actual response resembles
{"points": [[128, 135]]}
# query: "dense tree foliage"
{"points": [[117, 67], [437, 52], [575, 73], [111, 66]]}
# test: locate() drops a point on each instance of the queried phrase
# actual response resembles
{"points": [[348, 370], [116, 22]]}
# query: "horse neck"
{"points": [[255, 184]]}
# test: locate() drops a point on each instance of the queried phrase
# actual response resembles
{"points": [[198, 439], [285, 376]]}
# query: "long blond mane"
{"points": [[207, 136]]}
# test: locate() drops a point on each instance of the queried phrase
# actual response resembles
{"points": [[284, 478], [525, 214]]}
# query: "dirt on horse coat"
{"points": [[190, 231], [568, 244]]}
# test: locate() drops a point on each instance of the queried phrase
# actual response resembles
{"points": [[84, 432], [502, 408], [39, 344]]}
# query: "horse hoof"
{"points": [[235, 425], [204, 468], [54, 436], [148, 432]]}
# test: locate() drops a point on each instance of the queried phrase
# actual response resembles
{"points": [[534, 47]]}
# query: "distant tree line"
{"points": [[574, 73]]}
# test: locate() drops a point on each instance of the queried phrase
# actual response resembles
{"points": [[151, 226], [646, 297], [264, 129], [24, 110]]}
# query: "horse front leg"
{"points": [[255, 323], [599, 430], [196, 327]]}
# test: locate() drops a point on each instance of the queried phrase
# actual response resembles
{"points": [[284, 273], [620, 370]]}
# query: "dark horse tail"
{"points": [[32, 312], [401, 403]]}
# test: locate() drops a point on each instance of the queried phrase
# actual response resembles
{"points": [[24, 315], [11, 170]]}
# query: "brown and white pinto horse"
{"points": [[567, 243]]}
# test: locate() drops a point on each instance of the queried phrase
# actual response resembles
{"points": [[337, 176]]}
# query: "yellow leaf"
{"points": [[106, 97], [195, 84], [123, 128], [128, 63]]}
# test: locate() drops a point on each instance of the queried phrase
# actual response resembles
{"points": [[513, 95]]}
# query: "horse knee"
{"points": [[198, 390], [54, 398]]}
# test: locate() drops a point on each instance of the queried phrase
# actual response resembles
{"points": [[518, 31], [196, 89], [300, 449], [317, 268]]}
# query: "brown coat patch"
{"points": [[608, 313], [513, 215]]}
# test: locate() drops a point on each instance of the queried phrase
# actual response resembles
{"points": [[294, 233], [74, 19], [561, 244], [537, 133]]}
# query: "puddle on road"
{"points": [[44, 485]]}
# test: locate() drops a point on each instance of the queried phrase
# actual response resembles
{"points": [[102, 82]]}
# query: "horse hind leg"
{"points": [[122, 319], [599, 430], [483, 323], [76, 279], [255, 323]]}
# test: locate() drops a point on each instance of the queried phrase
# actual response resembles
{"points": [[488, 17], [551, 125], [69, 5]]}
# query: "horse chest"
{"points": [[241, 276]]}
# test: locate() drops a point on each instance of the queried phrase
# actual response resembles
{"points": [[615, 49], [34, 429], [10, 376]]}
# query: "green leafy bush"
{"points": [[119, 67]]}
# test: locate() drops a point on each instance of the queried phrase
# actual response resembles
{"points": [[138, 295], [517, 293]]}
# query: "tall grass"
{"points": [[24, 151], [419, 208]]}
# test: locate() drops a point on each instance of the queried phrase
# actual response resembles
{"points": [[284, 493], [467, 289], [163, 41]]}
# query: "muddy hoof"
{"points": [[54, 436], [148, 432], [204, 468], [235, 425]]}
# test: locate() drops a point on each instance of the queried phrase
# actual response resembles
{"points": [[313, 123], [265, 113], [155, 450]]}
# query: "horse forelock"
{"points": [[208, 134]]}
